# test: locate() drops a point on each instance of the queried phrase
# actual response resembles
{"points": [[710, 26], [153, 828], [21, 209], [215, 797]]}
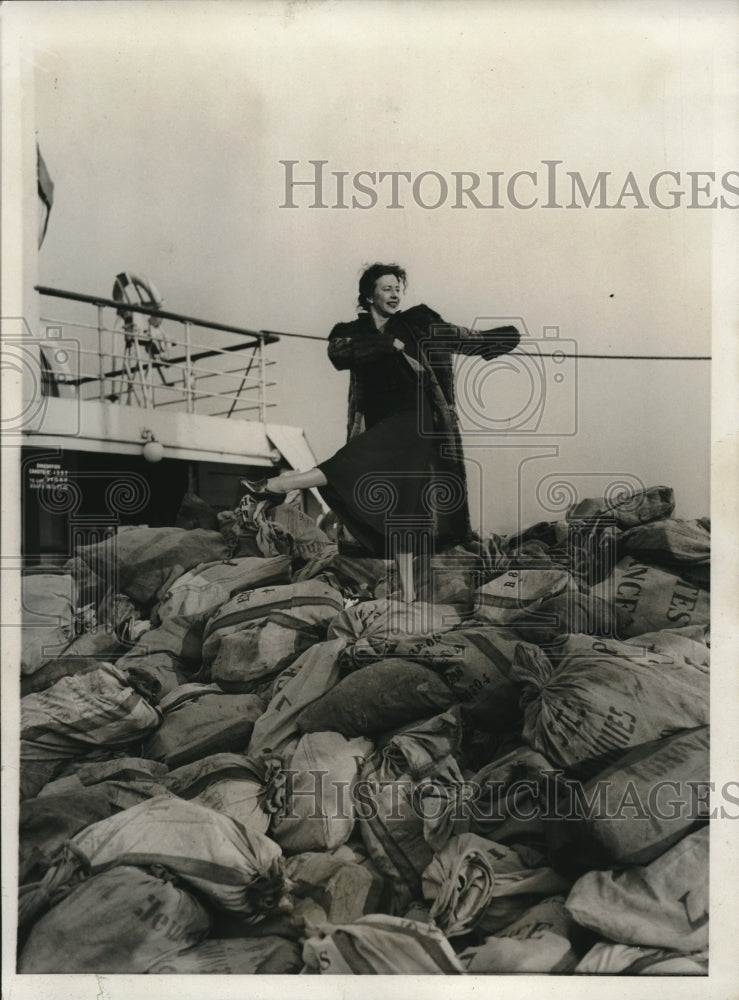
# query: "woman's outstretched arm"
{"points": [[352, 348], [460, 339], [485, 343]]}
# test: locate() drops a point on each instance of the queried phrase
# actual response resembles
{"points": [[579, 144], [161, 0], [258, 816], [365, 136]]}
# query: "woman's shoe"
{"points": [[257, 490]]}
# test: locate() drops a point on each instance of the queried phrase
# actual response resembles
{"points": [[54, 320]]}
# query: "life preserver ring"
{"points": [[136, 290]]}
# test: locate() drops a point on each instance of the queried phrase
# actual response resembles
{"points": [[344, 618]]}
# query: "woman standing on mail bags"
{"points": [[399, 482]]}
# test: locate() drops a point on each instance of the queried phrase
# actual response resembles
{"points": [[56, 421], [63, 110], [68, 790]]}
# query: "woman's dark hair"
{"points": [[370, 276]]}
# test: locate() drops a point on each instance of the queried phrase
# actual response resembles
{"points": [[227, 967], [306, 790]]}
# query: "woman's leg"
{"points": [[287, 481], [404, 562]]}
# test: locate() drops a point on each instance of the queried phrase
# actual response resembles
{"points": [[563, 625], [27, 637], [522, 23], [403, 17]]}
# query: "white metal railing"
{"points": [[150, 366]]}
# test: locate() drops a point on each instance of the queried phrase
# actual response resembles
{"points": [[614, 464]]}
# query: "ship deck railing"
{"points": [[175, 364]]}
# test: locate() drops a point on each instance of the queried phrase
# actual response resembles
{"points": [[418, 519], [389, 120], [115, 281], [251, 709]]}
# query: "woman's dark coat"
{"points": [[430, 345]]}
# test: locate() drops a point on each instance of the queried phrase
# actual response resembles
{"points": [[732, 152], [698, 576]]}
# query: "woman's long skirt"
{"points": [[390, 488]]}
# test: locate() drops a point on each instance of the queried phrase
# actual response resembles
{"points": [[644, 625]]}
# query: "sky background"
{"points": [[163, 125]]}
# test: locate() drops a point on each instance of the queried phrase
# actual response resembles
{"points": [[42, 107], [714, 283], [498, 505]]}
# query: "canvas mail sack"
{"points": [[683, 547], [571, 612], [122, 920], [269, 955], [663, 648], [198, 593], [504, 802], [48, 604], [662, 905], [459, 884], [199, 720], [100, 708], [230, 783], [388, 618], [380, 945], [235, 868], [390, 800], [319, 809], [541, 940], [86, 774], [518, 593], [522, 878], [284, 529], [143, 563], [121, 782], [343, 889], [475, 663], [690, 643], [53, 671], [606, 959], [180, 618], [46, 821], [354, 577], [640, 507], [309, 677], [260, 632], [653, 598], [588, 710], [632, 812], [377, 699], [107, 631]]}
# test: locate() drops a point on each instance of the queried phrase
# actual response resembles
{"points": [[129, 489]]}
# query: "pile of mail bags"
{"points": [[242, 752]]}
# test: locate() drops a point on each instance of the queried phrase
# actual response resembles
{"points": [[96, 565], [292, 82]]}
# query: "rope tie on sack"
{"points": [[71, 867], [270, 770]]}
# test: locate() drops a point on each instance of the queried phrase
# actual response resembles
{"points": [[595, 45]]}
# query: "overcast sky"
{"points": [[163, 126]]}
